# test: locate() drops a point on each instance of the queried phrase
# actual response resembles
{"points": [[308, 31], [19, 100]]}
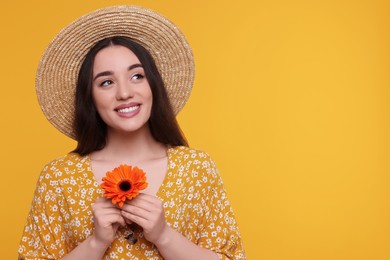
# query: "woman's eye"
{"points": [[106, 83], [137, 76]]}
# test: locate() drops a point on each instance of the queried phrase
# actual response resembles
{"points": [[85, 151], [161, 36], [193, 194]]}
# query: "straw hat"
{"points": [[59, 66]]}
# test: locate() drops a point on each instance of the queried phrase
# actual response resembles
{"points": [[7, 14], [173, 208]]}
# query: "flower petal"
{"points": [[135, 176]]}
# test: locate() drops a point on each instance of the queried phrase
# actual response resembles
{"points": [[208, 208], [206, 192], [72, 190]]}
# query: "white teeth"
{"points": [[128, 109]]}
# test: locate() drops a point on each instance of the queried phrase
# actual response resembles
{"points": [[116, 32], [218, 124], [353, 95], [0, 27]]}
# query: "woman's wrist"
{"points": [[97, 245], [165, 237]]}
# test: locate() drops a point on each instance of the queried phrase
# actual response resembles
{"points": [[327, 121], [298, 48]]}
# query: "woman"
{"points": [[134, 72]]}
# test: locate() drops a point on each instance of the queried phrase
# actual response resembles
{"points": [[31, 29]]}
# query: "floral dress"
{"points": [[194, 200]]}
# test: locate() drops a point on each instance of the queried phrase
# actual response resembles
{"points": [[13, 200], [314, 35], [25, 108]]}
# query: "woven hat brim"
{"points": [[60, 63]]}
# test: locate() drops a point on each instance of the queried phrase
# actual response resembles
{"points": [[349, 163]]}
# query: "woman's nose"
{"points": [[124, 91]]}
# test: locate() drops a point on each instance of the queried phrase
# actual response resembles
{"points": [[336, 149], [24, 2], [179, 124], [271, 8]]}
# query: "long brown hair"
{"points": [[90, 129]]}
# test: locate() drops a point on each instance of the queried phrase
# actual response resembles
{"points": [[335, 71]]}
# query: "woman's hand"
{"points": [[147, 211], [107, 218]]}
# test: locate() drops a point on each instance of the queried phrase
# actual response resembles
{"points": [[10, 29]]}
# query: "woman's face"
{"points": [[120, 90]]}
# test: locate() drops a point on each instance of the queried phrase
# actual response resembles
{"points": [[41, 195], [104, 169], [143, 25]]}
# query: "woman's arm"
{"points": [[88, 249], [147, 211], [173, 245]]}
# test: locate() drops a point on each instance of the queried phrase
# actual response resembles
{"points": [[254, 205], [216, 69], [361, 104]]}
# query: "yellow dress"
{"points": [[194, 201]]}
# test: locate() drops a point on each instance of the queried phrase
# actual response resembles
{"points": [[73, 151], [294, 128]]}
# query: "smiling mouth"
{"points": [[127, 109]]}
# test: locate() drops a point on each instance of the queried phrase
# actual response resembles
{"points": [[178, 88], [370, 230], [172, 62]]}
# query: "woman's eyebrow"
{"points": [[137, 65], [103, 73], [109, 73]]}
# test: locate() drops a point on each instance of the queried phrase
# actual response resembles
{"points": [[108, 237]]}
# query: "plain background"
{"points": [[291, 99]]}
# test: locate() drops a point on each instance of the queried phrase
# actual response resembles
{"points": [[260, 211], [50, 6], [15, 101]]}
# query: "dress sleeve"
{"points": [[220, 232], [44, 232]]}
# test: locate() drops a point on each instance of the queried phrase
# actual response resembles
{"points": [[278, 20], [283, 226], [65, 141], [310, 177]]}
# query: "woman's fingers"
{"points": [[107, 218], [144, 201], [141, 221], [104, 210], [104, 203], [137, 211], [147, 211]]}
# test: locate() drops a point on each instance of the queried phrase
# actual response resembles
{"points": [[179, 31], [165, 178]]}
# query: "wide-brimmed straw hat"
{"points": [[60, 63]]}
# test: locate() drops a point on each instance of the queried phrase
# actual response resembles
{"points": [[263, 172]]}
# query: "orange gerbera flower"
{"points": [[124, 182]]}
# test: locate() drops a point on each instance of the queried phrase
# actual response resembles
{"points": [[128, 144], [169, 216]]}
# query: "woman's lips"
{"points": [[128, 110]]}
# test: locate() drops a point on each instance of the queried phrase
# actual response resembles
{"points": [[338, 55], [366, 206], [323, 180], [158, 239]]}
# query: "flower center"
{"points": [[125, 186]]}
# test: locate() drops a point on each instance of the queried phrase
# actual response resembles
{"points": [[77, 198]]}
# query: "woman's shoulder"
{"points": [[183, 155], [65, 162], [67, 159], [187, 153]]}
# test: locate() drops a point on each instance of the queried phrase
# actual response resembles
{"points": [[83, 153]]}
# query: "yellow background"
{"points": [[291, 99]]}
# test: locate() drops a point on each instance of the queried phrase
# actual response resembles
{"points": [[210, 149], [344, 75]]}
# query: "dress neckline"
{"points": [[160, 192]]}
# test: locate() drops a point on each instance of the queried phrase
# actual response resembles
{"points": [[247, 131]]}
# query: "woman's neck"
{"points": [[134, 147]]}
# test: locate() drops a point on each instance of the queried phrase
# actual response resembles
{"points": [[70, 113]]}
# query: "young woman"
{"points": [[114, 80]]}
